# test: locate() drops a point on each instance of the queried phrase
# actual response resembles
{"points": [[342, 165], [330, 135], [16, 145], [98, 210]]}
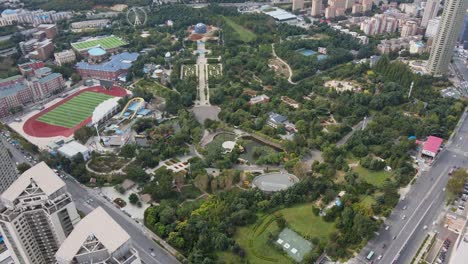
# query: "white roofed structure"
{"points": [[97, 238], [43, 176], [72, 149]]}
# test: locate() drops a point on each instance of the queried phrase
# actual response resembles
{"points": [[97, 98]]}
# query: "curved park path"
{"points": [[285, 63]]}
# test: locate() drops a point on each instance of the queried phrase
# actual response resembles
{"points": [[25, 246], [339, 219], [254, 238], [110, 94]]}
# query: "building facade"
{"points": [[37, 216], [444, 41], [432, 27], [297, 5], [8, 171], [64, 57], [94, 242]]}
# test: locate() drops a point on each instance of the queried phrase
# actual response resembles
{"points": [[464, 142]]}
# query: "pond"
{"points": [[250, 145]]}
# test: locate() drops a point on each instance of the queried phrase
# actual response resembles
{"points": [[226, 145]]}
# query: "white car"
{"points": [[380, 257]]}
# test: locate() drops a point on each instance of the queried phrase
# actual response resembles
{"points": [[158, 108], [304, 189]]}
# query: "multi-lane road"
{"points": [[420, 207], [87, 199]]}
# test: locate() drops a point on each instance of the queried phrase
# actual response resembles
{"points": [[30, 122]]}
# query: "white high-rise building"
{"points": [[37, 215], [444, 41], [430, 11], [8, 172], [97, 238]]}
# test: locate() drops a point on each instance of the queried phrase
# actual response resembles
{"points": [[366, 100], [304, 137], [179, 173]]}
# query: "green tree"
{"points": [[22, 167], [133, 198]]}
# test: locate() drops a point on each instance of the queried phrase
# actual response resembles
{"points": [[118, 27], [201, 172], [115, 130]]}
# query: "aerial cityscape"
{"points": [[234, 131]]}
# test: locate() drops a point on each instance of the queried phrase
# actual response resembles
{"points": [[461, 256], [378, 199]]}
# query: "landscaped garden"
{"points": [[103, 164], [189, 70]]}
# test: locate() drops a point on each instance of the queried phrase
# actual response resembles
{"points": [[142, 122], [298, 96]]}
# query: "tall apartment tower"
{"points": [[297, 5], [316, 8], [94, 242], [37, 215], [430, 11], [444, 41], [8, 172]]}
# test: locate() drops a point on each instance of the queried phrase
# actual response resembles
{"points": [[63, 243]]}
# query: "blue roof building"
{"points": [[96, 52]]}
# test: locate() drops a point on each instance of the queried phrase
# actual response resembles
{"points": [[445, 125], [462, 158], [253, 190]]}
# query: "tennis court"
{"points": [[74, 111], [294, 245], [105, 43]]}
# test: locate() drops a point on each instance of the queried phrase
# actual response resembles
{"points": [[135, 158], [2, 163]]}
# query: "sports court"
{"points": [[74, 111], [110, 42], [294, 245]]}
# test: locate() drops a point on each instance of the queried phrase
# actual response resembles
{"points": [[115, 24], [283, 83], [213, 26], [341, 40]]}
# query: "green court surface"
{"points": [[105, 43], [74, 111]]}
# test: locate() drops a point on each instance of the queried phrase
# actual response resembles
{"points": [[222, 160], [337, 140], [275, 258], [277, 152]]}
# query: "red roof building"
{"points": [[432, 146]]}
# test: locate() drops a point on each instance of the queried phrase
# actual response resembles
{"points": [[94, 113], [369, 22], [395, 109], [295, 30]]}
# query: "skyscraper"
{"points": [[38, 214], [444, 41], [7, 169], [430, 11], [316, 8], [94, 242]]}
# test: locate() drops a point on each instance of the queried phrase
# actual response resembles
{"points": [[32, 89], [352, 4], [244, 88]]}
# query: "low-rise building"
{"points": [[64, 57], [114, 69], [89, 24], [417, 47], [276, 120], [260, 99], [387, 46], [73, 148], [432, 146]]}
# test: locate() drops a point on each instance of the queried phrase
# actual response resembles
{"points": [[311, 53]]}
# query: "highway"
{"points": [[424, 203], [142, 239]]}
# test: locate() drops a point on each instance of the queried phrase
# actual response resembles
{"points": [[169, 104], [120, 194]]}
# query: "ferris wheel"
{"points": [[136, 16]]}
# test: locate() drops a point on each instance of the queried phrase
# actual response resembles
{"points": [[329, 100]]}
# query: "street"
{"points": [[424, 202]]}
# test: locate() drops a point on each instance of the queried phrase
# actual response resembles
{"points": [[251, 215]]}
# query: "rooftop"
{"points": [[49, 77], [42, 175], [277, 118], [432, 144], [72, 148], [12, 89], [97, 225], [96, 52], [122, 61]]}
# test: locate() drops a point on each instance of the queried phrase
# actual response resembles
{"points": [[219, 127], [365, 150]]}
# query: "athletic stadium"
{"points": [[73, 112]]}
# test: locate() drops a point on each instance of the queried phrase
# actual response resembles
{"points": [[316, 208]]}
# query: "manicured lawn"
{"points": [[301, 219], [74, 111], [105, 43], [376, 178], [244, 34]]}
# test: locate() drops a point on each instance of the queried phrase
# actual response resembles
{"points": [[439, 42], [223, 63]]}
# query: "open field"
{"points": [[376, 178], [301, 219], [244, 34], [105, 43], [74, 111], [254, 238]]}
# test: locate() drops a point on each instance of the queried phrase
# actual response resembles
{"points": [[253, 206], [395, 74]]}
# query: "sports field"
{"points": [[105, 43], [75, 111]]}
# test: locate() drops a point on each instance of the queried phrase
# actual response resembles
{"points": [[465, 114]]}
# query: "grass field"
{"points": [[105, 43], [74, 111], [254, 238], [376, 178], [301, 219], [244, 34]]}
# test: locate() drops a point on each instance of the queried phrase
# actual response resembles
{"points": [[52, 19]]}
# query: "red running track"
{"points": [[36, 128]]}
